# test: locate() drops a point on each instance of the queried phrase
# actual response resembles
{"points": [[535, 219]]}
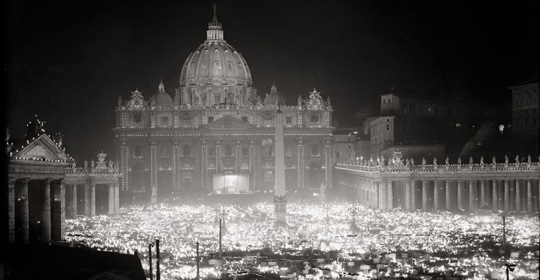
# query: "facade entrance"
{"points": [[231, 183]]}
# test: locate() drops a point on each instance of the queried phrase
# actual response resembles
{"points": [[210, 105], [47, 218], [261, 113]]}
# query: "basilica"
{"points": [[217, 135]]}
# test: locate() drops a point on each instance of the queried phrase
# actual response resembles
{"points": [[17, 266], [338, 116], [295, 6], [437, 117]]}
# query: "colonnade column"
{"points": [[436, 193], [116, 197], [529, 197], [380, 187], [424, 194], [87, 200], [473, 197], [506, 196], [24, 215], [11, 210], [448, 186], [111, 199], [459, 195], [390, 196], [518, 196], [412, 189], [46, 211], [483, 201], [92, 199], [74, 201], [494, 196], [407, 189], [59, 213]]}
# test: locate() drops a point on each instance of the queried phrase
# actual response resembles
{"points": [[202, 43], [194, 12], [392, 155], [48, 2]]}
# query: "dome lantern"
{"points": [[214, 29]]}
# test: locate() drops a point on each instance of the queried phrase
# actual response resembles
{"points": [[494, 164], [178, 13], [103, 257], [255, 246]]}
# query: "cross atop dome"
{"points": [[214, 28]]}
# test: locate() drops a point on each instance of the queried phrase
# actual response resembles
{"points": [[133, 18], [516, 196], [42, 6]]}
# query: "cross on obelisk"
{"points": [[280, 199]]}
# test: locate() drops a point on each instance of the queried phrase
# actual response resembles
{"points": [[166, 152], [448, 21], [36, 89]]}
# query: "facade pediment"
{"points": [[42, 148], [228, 122]]}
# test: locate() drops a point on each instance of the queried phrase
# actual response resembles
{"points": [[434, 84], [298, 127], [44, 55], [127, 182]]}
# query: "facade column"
{"points": [[460, 195], [92, 199], [483, 201], [24, 216], [390, 196], [46, 211], [11, 210], [74, 211], [506, 196], [473, 197], [153, 171], [301, 165], [175, 165], [111, 199], [448, 185], [518, 196], [494, 196], [425, 195], [436, 193]]}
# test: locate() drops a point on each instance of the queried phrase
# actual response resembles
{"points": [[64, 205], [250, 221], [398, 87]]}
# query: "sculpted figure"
{"points": [[423, 161], [85, 163], [529, 159], [517, 159], [73, 165], [471, 160], [185, 97], [494, 160], [152, 102], [119, 100], [299, 101], [435, 161], [482, 160], [407, 163], [447, 161], [110, 163], [197, 97], [93, 164], [506, 159], [459, 160], [412, 161]]}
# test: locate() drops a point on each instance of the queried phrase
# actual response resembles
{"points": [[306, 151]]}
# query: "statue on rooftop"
{"points": [[412, 161], [529, 159], [459, 160], [494, 160], [471, 160], [423, 161], [506, 159], [482, 160], [447, 161], [517, 159], [434, 160], [85, 164]]}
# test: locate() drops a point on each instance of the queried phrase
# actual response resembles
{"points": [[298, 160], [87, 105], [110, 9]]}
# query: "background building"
{"points": [[525, 117], [217, 134]]}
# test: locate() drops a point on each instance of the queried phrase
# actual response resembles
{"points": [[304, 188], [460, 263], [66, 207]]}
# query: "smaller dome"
{"points": [[161, 97], [273, 98]]}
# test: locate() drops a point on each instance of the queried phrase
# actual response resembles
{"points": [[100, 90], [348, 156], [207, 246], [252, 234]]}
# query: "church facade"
{"points": [[217, 134]]}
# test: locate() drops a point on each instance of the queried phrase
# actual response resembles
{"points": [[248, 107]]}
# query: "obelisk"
{"points": [[280, 199]]}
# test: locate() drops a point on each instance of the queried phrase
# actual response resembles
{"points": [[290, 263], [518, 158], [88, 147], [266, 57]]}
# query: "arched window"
{"points": [[187, 150]]}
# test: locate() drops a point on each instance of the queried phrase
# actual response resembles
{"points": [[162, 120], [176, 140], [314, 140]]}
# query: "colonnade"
{"points": [[457, 188], [81, 199], [37, 208], [508, 195]]}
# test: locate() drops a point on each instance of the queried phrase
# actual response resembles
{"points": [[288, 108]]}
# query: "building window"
{"points": [[211, 152], [210, 119], [245, 152], [137, 118], [138, 151], [288, 120], [164, 121], [187, 151], [186, 120], [228, 150], [268, 120], [288, 152], [268, 176], [314, 118], [315, 150], [387, 127], [245, 119]]}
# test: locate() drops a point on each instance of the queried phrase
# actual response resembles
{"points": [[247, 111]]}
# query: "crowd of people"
{"points": [[320, 240]]}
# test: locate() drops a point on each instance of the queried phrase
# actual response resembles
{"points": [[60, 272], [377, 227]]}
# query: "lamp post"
{"points": [[509, 267], [198, 260]]}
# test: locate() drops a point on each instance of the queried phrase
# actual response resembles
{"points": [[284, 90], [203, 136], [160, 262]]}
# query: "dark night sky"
{"points": [[68, 61]]}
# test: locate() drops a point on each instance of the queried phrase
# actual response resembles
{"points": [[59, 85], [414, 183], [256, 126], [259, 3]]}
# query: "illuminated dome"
{"points": [[215, 62], [161, 97]]}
